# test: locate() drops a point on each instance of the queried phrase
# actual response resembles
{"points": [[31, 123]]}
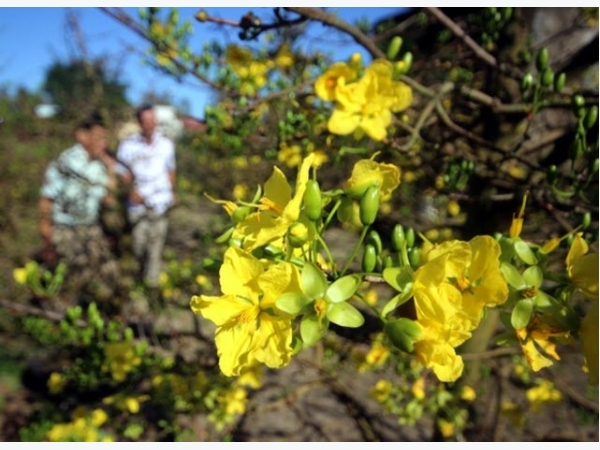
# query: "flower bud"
{"points": [[547, 77], [369, 259], [394, 47], [526, 82], [591, 117], [403, 333], [369, 205], [398, 237], [374, 239], [312, 200], [541, 60], [559, 82], [297, 234]]}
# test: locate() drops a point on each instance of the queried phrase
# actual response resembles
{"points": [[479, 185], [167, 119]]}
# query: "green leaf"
{"points": [[400, 278], [311, 329], [292, 302], [313, 281], [345, 315], [403, 333], [524, 252], [512, 275], [533, 276], [521, 314], [397, 301], [342, 289]]}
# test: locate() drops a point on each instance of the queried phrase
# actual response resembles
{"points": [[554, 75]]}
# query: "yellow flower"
{"points": [[235, 401], [278, 209], [582, 267], [56, 383], [589, 341], [367, 173], [249, 328], [381, 391], [418, 388], [251, 377], [325, 86], [120, 359], [99, 417], [516, 225], [284, 57], [537, 347], [368, 103], [446, 428], [451, 291], [468, 394], [378, 354], [543, 393], [20, 275]]}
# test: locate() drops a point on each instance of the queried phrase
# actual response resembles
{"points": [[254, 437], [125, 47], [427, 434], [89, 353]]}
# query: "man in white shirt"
{"points": [[147, 166]]}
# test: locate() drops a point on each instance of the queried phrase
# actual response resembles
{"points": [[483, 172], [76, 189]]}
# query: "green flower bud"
{"points": [[586, 220], [369, 205], [369, 259], [578, 102], [240, 213], [413, 257], [591, 117], [410, 238], [559, 82], [398, 237], [388, 261], [297, 234], [594, 166], [394, 47], [552, 174], [313, 203], [526, 82], [547, 77], [374, 239], [408, 60], [201, 16], [541, 59]]}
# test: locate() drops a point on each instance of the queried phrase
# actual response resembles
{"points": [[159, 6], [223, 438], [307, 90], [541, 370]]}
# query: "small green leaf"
{"points": [[292, 302], [524, 252], [345, 315], [403, 333], [512, 275], [311, 329], [342, 289], [313, 281], [533, 276], [400, 278], [521, 314]]}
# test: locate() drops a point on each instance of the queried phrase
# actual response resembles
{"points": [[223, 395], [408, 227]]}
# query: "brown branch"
{"points": [[459, 32], [332, 20]]}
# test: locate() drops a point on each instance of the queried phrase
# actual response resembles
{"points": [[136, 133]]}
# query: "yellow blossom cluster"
{"points": [[82, 428], [451, 290], [120, 359], [366, 103]]}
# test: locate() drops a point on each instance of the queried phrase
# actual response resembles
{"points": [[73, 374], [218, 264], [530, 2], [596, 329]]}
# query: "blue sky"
{"points": [[34, 38]]}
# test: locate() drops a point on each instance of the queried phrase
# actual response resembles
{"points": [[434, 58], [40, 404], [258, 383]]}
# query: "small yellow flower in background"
{"points": [[513, 413], [239, 162], [453, 208], [99, 417], [120, 359], [377, 355], [236, 401], [56, 383], [446, 428], [20, 275], [251, 377], [163, 279], [545, 392], [240, 191], [468, 394], [418, 388], [284, 57], [371, 297], [381, 391], [290, 155], [204, 281], [409, 176]]}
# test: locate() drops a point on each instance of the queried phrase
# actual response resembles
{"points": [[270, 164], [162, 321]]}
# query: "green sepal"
{"points": [[345, 315], [225, 236], [521, 314], [533, 276], [400, 278], [524, 252], [312, 329], [342, 289], [396, 301], [313, 281], [292, 302], [512, 275]]}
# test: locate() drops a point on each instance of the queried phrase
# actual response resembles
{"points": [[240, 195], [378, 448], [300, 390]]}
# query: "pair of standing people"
{"points": [[83, 179]]}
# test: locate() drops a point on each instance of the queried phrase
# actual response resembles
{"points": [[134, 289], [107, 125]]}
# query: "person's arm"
{"points": [[112, 183]]}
